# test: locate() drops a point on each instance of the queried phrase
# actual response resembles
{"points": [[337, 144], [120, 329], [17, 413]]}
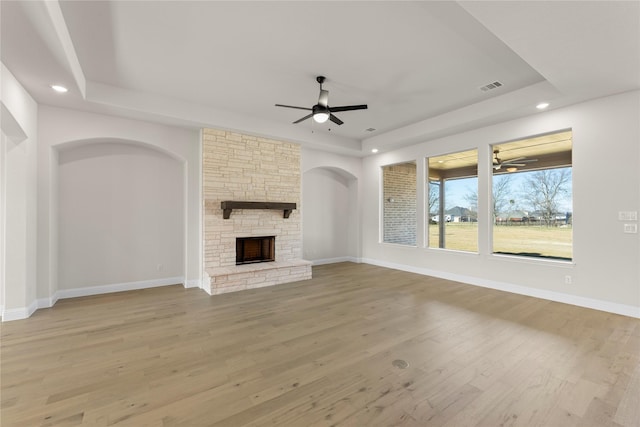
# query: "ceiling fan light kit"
{"points": [[321, 112]]}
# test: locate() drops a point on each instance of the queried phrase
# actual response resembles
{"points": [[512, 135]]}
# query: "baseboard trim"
{"points": [[26, 312], [47, 302], [194, 283], [118, 287], [335, 260], [19, 313], [610, 307]]}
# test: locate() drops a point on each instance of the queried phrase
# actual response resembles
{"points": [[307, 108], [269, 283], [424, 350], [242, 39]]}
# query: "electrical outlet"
{"points": [[568, 280], [159, 267]]}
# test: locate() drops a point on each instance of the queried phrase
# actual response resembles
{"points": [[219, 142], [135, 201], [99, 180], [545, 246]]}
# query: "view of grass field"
{"points": [[528, 240], [460, 236]]}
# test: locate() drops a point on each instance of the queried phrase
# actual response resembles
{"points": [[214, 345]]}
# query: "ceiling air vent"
{"points": [[490, 86]]}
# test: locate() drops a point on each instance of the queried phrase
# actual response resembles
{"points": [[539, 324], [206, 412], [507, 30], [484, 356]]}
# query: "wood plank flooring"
{"points": [[323, 352]]}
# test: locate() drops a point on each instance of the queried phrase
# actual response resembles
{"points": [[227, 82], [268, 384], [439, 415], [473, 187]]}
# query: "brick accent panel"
{"points": [[248, 168], [400, 203]]}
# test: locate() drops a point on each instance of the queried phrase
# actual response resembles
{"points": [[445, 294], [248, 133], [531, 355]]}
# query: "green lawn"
{"points": [[535, 240], [462, 236]]}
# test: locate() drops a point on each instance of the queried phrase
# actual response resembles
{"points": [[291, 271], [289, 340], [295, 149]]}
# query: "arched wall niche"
{"points": [[330, 164], [330, 215], [81, 143], [121, 212]]}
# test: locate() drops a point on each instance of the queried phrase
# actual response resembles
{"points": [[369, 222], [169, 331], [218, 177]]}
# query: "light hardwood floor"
{"points": [[323, 352]]}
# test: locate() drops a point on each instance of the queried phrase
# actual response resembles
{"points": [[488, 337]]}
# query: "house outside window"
{"points": [[452, 220]]}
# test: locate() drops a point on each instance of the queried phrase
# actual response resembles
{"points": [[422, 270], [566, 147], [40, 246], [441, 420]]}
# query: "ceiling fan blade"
{"points": [[323, 99], [303, 119], [335, 120], [348, 108], [292, 106], [515, 161]]}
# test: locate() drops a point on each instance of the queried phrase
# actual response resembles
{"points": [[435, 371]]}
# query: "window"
{"points": [[452, 201], [532, 197], [399, 203]]}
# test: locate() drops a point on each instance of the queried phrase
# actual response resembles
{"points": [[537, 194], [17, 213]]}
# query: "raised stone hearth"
{"points": [[239, 171], [250, 276]]}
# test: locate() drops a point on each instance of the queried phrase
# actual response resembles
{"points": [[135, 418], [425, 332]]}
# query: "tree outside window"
{"points": [[532, 197]]}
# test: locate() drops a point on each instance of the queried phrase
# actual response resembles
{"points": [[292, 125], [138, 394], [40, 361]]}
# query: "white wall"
{"points": [[20, 136], [606, 180], [330, 207], [3, 207], [120, 217], [63, 129]]}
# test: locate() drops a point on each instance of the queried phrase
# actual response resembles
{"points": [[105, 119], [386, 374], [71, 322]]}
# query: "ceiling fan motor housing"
{"points": [[320, 109]]}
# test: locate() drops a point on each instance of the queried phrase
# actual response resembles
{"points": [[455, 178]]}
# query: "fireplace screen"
{"points": [[255, 249]]}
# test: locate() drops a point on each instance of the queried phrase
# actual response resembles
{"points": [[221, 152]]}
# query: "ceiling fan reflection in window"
{"points": [[510, 165]]}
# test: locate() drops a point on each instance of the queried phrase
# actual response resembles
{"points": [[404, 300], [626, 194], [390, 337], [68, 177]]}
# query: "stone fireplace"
{"points": [[251, 189]]}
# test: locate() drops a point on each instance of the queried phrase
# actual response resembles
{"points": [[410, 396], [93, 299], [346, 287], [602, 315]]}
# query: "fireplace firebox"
{"points": [[255, 249]]}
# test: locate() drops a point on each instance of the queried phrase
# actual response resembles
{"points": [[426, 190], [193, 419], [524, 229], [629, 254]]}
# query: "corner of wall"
{"points": [[19, 195], [19, 313]]}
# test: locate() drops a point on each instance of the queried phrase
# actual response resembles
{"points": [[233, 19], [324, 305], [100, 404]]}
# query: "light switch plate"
{"points": [[628, 215]]}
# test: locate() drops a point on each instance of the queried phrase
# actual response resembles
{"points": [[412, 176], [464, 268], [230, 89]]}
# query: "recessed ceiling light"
{"points": [[542, 105], [374, 150], [59, 88]]}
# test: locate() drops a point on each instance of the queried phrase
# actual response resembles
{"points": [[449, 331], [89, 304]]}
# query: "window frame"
{"points": [[562, 158], [465, 170]]}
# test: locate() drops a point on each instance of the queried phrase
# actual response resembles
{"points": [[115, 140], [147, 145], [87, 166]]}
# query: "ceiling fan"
{"points": [[321, 112], [510, 165]]}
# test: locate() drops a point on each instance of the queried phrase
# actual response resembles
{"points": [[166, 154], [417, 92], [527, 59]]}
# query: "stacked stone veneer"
{"points": [[246, 168], [400, 203]]}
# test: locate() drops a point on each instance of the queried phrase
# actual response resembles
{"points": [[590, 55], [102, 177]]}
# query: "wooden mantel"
{"points": [[229, 205]]}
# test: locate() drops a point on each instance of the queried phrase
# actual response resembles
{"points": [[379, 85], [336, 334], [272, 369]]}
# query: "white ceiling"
{"points": [[418, 65]]}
